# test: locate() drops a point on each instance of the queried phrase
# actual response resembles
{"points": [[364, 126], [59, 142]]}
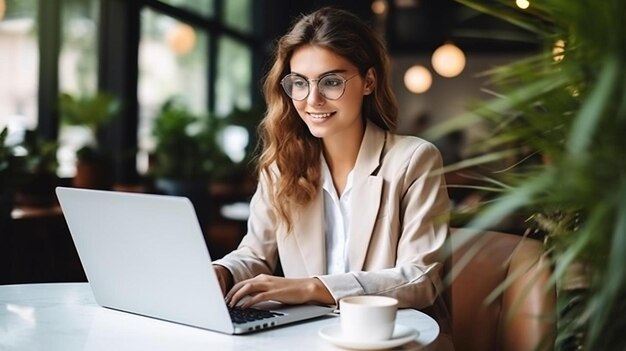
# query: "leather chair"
{"points": [[522, 317]]}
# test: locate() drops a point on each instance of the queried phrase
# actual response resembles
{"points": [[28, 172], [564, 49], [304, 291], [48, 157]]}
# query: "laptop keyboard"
{"points": [[244, 315]]}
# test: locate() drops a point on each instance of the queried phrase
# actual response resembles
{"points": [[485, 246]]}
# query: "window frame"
{"points": [[118, 54]]}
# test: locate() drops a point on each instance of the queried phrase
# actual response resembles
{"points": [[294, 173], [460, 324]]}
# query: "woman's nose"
{"points": [[315, 98]]}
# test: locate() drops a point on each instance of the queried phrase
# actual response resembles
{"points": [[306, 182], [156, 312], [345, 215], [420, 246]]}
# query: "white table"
{"points": [[64, 316]]}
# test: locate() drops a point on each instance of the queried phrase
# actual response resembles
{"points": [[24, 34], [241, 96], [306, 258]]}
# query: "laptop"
{"points": [[146, 254]]}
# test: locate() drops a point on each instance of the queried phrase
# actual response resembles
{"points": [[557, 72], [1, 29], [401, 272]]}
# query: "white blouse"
{"points": [[336, 222]]}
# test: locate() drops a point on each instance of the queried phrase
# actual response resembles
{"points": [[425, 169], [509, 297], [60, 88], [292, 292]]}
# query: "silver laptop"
{"points": [[146, 254]]}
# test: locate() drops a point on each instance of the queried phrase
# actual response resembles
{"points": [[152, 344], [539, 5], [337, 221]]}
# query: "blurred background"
{"points": [[163, 96]]}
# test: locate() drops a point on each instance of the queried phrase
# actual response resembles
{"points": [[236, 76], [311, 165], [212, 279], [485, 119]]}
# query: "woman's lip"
{"points": [[320, 115]]}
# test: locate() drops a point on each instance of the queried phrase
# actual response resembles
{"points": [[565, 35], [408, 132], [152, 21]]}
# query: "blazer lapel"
{"points": [[309, 233], [366, 196]]}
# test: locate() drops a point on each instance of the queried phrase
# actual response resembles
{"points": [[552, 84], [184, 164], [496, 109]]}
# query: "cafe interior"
{"points": [[164, 97]]}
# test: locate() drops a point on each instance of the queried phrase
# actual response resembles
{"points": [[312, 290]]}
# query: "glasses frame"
{"points": [[310, 81]]}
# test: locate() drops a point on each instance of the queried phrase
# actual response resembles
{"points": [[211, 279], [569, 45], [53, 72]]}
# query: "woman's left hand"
{"points": [[286, 290]]}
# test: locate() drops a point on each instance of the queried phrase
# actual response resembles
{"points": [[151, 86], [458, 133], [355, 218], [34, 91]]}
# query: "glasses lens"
{"points": [[295, 86], [331, 86]]}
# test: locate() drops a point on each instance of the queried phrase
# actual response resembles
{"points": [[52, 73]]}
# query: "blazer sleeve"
{"points": [[423, 208], [257, 252]]}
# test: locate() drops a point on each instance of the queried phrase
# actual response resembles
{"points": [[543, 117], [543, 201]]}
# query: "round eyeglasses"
{"points": [[331, 86]]}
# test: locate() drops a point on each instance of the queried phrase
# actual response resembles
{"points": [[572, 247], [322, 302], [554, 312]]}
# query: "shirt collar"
{"points": [[327, 179]]}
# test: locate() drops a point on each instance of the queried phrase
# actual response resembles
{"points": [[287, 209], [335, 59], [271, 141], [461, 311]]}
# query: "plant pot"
{"points": [[6, 207], [37, 191], [93, 174]]}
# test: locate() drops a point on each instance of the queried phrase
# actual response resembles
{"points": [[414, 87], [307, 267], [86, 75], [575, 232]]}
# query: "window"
{"points": [[201, 7], [19, 70], [200, 61], [172, 65], [234, 76], [238, 15], [78, 67], [200, 52]]}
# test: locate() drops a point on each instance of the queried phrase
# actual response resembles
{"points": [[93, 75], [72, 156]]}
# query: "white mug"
{"points": [[368, 318]]}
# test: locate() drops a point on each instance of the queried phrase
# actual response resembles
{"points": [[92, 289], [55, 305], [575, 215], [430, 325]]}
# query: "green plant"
{"points": [[6, 161], [35, 169], [187, 146], [93, 112], [37, 156], [568, 105]]}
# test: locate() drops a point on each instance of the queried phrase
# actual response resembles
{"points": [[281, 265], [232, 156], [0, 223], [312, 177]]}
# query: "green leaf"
{"points": [[591, 112], [615, 275]]}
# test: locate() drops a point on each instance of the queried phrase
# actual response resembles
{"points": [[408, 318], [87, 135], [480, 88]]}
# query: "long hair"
{"points": [[290, 157]]}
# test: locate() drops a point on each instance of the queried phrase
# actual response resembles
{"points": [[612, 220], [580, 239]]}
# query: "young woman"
{"points": [[349, 207]]}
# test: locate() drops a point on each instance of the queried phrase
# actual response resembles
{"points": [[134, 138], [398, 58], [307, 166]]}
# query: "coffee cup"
{"points": [[368, 318]]}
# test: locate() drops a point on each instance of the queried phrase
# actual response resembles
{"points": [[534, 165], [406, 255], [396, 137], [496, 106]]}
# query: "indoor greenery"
{"points": [[187, 146], [567, 106], [92, 111], [35, 168], [7, 166]]}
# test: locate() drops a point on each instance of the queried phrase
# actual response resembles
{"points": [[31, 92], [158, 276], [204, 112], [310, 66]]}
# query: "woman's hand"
{"points": [[286, 290], [224, 277]]}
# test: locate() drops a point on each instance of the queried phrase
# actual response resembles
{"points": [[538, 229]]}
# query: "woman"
{"points": [[349, 207]]}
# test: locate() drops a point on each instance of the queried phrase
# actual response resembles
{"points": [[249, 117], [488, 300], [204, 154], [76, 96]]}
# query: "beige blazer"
{"points": [[397, 229]]}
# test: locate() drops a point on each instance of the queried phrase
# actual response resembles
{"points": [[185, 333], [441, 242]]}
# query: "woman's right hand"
{"points": [[224, 277]]}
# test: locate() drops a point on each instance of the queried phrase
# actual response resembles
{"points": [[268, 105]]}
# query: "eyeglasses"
{"points": [[331, 86]]}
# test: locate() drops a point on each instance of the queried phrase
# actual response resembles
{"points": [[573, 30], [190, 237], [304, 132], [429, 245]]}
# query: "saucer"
{"points": [[401, 335]]}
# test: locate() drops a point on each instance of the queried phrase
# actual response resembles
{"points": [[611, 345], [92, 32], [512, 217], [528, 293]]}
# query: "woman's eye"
{"points": [[300, 84], [332, 82]]}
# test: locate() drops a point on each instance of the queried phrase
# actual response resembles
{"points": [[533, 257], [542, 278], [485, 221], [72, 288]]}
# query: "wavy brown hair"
{"points": [[290, 157]]}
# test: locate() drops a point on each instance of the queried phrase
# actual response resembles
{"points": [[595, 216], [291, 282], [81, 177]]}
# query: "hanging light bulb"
{"points": [[3, 8], [522, 4], [182, 38], [379, 7], [418, 79], [448, 60]]}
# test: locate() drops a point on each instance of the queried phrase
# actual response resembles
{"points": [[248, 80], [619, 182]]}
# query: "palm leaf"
{"points": [[573, 111]]}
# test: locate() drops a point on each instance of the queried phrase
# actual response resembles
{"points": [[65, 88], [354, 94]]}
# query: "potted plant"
{"points": [[35, 169], [568, 106], [188, 155], [6, 204], [93, 167], [187, 146], [6, 180]]}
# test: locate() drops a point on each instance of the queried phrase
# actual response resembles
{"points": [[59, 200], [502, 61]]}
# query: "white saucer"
{"points": [[401, 335]]}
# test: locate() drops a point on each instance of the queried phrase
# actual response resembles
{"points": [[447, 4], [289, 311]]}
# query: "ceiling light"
{"points": [[379, 7], [522, 4], [448, 60], [182, 38], [418, 79]]}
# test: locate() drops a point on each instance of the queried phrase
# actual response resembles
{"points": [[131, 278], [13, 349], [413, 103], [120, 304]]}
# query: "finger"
{"points": [[235, 288], [259, 279], [256, 298], [247, 289]]}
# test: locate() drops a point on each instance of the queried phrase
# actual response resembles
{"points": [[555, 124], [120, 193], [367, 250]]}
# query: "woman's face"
{"points": [[330, 119]]}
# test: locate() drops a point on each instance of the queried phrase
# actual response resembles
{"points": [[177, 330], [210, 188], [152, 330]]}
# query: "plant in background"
{"points": [[36, 155], [92, 112], [187, 146], [35, 169], [566, 105], [7, 160]]}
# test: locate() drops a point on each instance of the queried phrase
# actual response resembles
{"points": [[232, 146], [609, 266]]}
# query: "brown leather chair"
{"points": [[522, 317]]}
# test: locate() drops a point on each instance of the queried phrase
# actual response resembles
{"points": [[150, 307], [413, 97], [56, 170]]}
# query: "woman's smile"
{"points": [[319, 116]]}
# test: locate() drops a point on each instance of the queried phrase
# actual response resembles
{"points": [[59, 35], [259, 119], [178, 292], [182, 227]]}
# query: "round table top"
{"points": [[64, 316]]}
